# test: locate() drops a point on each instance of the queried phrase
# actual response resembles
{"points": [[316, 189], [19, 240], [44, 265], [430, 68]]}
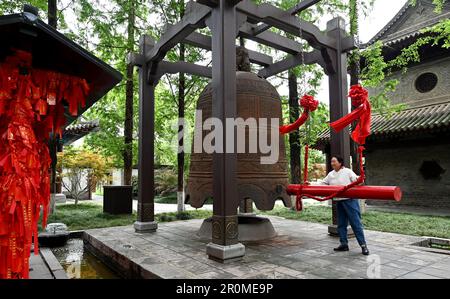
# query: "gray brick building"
{"points": [[411, 149]]}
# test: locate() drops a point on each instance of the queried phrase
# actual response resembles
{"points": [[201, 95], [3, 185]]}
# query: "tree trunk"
{"points": [[181, 107], [52, 12], [129, 95], [354, 66], [294, 137]]}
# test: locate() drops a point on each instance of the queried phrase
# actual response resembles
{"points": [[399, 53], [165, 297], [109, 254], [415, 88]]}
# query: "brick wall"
{"points": [[406, 91], [398, 163]]}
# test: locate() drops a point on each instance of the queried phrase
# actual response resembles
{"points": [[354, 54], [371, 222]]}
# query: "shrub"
{"points": [[183, 215]]}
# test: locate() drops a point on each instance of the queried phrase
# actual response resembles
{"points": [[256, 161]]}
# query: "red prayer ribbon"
{"points": [[31, 107], [362, 114], [309, 104]]}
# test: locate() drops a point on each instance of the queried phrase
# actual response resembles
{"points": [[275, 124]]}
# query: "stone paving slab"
{"points": [[300, 250], [45, 265], [38, 268]]}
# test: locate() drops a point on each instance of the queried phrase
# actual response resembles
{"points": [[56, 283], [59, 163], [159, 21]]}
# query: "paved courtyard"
{"points": [[301, 250]]}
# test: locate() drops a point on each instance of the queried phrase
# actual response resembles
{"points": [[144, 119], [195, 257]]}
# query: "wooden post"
{"points": [[224, 246], [146, 208], [338, 90]]}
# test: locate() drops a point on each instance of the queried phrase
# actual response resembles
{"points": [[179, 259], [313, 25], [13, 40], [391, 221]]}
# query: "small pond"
{"points": [[437, 245], [81, 264]]}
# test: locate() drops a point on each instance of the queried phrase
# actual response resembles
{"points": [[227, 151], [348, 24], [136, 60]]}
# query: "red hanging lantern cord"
{"points": [[31, 107], [362, 114]]}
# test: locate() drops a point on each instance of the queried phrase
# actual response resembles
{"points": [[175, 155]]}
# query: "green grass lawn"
{"points": [[402, 223], [90, 215], [169, 198]]}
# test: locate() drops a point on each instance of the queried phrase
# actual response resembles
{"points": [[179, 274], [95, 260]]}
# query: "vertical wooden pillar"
{"points": [[224, 246], [338, 89], [146, 190], [54, 140], [52, 9]]}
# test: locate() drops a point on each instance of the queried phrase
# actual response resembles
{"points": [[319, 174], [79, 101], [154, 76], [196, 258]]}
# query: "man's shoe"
{"points": [[341, 248], [365, 250]]}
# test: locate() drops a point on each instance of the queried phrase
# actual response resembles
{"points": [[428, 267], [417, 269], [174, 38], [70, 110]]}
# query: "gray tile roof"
{"points": [[76, 131], [411, 120], [83, 126], [412, 32]]}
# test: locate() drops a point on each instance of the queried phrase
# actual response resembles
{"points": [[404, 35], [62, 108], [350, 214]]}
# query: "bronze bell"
{"points": [[261, 183]]}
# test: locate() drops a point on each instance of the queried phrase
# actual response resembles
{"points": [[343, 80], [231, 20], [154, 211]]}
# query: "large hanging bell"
{"points": [[261, 183]]}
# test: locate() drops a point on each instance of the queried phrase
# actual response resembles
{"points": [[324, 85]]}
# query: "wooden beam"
{"points": [[204, 42], [270, 39], [291, 62], [215, 3], [275, 17], [184, 67], [194, 19], [293, 11]]}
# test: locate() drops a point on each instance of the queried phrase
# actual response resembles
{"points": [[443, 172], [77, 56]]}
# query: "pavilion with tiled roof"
{"points": [[78, 130]]}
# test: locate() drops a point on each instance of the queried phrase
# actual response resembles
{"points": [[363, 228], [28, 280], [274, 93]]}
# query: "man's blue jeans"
{"points": [[349, 212]]}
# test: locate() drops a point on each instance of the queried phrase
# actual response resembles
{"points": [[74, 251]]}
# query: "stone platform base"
{"points": [[225, 254], [251, 228], [332, 231], [145, 227]]}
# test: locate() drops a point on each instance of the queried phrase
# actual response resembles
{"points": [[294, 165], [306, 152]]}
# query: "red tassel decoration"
{"points": [[309, 104]]}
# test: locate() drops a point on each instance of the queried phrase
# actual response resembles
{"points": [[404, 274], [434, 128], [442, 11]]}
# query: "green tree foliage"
{"points": [[15, 6], [374, 75], [438, 3], [167, 104], [111, 30], [104, 30]]}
